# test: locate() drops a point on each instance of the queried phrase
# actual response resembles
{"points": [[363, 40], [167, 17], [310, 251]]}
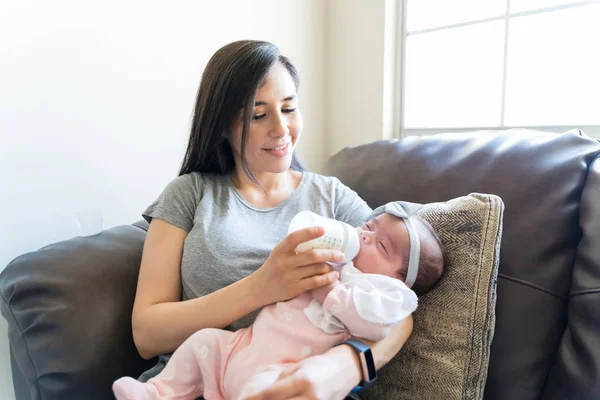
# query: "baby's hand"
{"points": [[320, 293]]}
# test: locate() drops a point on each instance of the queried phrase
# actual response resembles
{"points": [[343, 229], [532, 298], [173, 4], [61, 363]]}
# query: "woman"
{"points": [[207, 259]]}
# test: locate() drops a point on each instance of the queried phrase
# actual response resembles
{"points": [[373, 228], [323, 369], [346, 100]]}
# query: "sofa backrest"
{"points": [[547, 337]]}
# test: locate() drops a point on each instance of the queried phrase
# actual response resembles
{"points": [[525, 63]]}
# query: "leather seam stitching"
{"points": [[531, 285], [584, 292]]}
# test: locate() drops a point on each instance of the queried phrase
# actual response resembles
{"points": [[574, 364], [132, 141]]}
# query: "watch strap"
{"points": [[369, 372]]}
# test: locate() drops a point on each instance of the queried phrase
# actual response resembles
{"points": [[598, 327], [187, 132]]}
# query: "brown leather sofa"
{"points": [[68, 305]]}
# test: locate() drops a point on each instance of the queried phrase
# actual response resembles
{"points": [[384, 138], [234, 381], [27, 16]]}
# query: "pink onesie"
{"points": [[220, 364]]}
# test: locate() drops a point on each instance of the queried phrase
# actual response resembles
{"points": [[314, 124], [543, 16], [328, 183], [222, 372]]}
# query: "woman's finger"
{"points": [[316, 281], [316, 256], [288, 371], [313, 269], [289, 387]]}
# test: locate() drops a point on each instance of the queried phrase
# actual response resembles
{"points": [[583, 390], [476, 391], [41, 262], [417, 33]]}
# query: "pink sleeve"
{"points": [[340, 303]]}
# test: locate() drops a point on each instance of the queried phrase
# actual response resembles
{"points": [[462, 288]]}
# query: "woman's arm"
{"points": [[161, 322], [385, 349], [334, 374]]}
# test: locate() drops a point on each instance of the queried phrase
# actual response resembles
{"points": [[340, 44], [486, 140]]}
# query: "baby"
{"points": [[397, 252]]}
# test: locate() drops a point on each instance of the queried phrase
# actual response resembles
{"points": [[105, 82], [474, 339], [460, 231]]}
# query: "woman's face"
{"points": [[275, 126]]}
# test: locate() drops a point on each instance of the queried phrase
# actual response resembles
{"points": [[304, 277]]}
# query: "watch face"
{"points": [[370, 364]]}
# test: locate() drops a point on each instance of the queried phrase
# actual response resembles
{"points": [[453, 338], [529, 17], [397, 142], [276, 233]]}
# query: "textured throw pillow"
{"points": [[447, 355]]}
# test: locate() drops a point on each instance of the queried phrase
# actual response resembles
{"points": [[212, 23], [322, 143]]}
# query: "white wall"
{"points": [[361, 85], [95, 100]]}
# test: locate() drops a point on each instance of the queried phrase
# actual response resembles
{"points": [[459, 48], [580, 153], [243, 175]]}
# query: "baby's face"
{"points": [[384, 246]]}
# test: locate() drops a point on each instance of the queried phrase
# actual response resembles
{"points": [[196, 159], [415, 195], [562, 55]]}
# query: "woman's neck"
{"points": [[276, 187], [268, 181]]}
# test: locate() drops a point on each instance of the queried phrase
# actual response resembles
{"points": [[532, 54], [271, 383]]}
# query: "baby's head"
{"points": [[385, 249]]}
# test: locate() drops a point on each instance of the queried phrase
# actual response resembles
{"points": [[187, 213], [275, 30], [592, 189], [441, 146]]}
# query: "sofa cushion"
{"points": [[447, 355]]}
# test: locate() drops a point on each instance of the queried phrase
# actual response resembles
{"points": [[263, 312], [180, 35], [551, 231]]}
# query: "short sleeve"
{"points": [[178, 201], [348, 206]]}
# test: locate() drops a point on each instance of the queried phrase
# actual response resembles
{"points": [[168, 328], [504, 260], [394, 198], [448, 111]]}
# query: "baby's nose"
{"points": [[366, 236]]}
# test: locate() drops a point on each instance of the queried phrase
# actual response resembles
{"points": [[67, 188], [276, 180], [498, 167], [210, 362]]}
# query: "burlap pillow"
{"points": [[447, 355]]}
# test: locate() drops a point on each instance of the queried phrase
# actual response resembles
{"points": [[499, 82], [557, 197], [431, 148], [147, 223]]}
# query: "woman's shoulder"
{"points": [[198, 179], [322, 181], [347, 204], [185, 183], [328, 184], [195, 185]]}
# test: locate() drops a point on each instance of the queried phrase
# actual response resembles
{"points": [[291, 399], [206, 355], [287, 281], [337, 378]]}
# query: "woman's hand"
{"points": [[334, 374], [330, 376], [286, 273]]}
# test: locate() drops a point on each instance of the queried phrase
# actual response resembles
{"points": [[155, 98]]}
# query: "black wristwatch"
{"points": [[366, 361]]}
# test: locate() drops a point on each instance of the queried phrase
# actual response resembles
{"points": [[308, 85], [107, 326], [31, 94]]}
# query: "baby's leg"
{"points": [[193, 369], [264, 378]]}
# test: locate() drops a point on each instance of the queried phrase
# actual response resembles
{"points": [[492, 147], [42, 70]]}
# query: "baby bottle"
{"points": [[338, 235]]}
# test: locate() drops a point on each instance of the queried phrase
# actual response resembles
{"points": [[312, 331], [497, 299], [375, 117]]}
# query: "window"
{"points": [[495, 64]]}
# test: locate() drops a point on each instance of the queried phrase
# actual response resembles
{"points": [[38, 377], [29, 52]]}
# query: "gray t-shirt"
{"points": [[228, 238]]}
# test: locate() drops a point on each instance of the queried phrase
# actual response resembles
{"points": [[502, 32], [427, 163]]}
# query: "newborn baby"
{"points": [[372, 294]]}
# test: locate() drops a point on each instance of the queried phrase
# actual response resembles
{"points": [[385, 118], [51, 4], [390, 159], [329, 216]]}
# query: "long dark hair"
{"points": [[230, 81]]}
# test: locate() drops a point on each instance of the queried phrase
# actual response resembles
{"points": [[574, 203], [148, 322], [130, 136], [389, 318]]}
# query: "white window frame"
{"points": [[402, 34]]}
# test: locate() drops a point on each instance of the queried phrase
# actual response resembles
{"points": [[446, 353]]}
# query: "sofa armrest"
{"points": [[68, 307], [577, 368]]}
